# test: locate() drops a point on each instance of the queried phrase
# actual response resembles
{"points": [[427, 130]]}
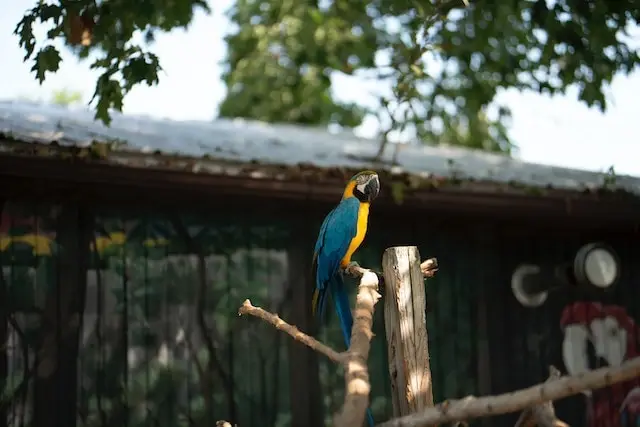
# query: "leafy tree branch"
{"points": [[103, 32]]}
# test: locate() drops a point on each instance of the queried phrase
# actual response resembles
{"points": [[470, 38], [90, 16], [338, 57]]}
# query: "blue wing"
{"points": [[334, 238]]}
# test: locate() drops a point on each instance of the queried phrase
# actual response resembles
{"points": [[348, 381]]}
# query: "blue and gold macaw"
{"points": [[341, 233]]}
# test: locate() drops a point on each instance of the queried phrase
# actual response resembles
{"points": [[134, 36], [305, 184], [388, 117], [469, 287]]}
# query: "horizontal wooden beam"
{"points": [[30, 175]]}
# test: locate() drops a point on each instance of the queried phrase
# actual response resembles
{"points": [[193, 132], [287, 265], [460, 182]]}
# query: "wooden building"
{"points": [[126, 252]]}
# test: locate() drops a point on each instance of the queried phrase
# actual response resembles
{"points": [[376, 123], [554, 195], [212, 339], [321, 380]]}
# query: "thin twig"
{"points": [[357, 385], [474, 407], [297, 334]]}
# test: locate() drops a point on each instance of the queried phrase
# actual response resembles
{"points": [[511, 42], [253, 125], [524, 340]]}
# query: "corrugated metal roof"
{"points": [[239, 141]]}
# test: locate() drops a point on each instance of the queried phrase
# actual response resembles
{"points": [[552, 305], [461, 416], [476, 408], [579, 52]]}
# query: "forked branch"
{"points": [[355, 358]]}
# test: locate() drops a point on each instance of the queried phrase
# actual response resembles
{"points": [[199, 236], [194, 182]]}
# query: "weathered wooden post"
{"points": [[406, 329]]}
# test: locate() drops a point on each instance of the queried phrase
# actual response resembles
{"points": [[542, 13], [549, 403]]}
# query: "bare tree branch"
{"points": [[474, 407], [357, 385], [297, 334], [356, 374]]}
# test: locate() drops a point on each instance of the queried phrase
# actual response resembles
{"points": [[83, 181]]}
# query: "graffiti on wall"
{"points": [[153, 325], [598, 335]]}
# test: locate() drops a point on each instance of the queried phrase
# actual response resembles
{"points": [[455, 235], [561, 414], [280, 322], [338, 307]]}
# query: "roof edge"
{"points": [[103, 154], [306, 186]]}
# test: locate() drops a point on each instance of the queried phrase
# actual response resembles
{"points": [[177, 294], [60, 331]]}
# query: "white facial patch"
{"points": [[609, 340], [361, 187], [574, 349]]}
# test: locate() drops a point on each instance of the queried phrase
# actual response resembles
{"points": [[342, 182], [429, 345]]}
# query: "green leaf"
{"points": [[143, 68], [24, 30], [109, 94], [47, 59], [50, 11]]}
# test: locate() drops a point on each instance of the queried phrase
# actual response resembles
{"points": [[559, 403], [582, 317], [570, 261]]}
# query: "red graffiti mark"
{"points": [[7, 222], [613, 335]]}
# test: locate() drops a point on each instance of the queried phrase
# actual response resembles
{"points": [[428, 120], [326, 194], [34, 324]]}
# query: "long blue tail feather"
{"points": [[341, 301], [370, 417], [320, 298], [343, 308]]}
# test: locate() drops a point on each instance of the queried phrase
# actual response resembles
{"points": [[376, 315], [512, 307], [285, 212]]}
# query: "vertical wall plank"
{"points": [[306, 403]]}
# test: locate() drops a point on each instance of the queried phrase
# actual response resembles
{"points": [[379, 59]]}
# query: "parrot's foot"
{"points": [[353, 265], [351, 269]]}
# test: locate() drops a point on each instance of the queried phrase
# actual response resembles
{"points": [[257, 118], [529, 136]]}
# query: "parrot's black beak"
{"points": [[373, 188]]}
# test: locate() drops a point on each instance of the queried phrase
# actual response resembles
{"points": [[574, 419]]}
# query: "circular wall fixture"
{"points": [[527, 287], [596, 265]]}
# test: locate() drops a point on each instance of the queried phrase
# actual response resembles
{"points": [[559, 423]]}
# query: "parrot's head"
{"points": [[364, 186]]}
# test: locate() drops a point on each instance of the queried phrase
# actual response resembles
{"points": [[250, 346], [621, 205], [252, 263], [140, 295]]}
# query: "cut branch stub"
{"points": [[406, 330]]}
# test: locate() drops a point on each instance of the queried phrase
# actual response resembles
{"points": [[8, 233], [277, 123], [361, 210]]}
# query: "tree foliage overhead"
{"points": [[280, 59], [445, 60], [103, 31]]}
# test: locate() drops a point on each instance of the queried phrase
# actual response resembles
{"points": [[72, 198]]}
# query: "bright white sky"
{"points": [[558, 131]]}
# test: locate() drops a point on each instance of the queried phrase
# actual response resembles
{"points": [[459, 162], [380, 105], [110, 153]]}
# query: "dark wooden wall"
{"points": [[525, 341], [481, 340]]}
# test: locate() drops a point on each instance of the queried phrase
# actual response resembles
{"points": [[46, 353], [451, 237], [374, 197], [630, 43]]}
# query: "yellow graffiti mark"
{"points": [[41, 245], [119, 238], [154, 243], [102, 243]]}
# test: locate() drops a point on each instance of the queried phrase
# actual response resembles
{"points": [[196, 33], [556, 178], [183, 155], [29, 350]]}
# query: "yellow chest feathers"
{"points": [[361, 231]]}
